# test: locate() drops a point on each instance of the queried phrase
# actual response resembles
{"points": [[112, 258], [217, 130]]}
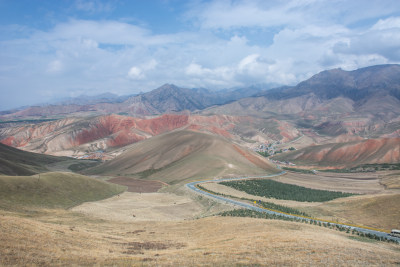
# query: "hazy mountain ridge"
{"points": [[356, 85], [333, 97], [165, 99], [370, 90], [91, 99]]}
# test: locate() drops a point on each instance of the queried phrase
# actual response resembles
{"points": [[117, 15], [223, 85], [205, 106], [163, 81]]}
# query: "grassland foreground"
{"points": [[363, 229]]}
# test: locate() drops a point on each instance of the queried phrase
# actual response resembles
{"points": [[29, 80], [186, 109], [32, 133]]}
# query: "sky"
{"points": [[51, 49]]}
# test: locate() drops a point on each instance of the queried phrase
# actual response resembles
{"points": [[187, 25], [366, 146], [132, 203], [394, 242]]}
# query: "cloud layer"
{"points": [[220, 44]]}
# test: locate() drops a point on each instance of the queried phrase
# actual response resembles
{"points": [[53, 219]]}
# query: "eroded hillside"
{"points": [[91, 137]]}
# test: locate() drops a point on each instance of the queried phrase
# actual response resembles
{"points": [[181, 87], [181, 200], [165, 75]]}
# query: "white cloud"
{"points": [[389, 23], [92, 6], [228, 43], [135, 73], [381, 42], [55, 66], [228, 14], [150, 65], [197, 70], [231, 14], [138, 72]]}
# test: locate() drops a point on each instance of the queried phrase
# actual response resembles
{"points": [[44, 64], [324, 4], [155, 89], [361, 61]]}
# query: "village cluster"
{"points": [[270, 149]]}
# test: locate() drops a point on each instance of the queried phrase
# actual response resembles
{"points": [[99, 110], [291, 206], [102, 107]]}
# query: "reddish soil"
{"points": [[384, 150], [138, 186], [253, 159], [162, 124], [288, 133], [110, 131]]}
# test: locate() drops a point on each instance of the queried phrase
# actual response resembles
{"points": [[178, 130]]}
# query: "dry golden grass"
{"points": [[182, 156], [62, 238], [391, 180], [378, 211], [130, 207], [359, 183], [376, 208]]}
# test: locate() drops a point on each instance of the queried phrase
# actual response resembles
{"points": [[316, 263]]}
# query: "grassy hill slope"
{"points": [[52, 190], [184, 155], [16, 162], [215, 241]]}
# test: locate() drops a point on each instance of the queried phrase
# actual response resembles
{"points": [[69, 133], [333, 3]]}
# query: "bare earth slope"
{"points": [[181, 155], [384, 150], [79, 137]]}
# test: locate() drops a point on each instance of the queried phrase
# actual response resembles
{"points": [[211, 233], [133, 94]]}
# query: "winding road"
{"points": [[193, 186]]}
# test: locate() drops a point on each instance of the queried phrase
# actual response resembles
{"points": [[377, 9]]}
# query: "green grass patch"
{"points": [[80, 166], [277, 190], [298, 170], [17, 162], [149, 172], [267, 205], [367, 168], [53, 190], [249, 140], [264, 154], [252, 214], [277, 207], [28, 121]]}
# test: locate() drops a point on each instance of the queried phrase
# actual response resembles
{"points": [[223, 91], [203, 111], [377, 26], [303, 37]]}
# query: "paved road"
{"points": [[193, 187]]}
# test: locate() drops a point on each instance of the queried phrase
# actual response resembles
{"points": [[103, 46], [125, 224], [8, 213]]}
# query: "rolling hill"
{"points": [[350, 154], [91, 137], [52, 190], [185, 155], [16, 162]]}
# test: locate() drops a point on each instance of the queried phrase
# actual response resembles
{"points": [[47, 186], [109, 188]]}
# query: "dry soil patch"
{"points": [[137, 185], [142, 207], [359, 183]]}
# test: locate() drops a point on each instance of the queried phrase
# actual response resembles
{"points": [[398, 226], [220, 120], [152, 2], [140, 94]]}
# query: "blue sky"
{"points": [[61, 48]]}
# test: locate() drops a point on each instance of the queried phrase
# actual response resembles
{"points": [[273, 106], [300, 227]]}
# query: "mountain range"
{"points": [[165, 99], [333, 106]]}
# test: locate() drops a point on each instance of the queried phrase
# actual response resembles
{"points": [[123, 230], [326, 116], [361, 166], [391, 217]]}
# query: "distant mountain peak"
{"points": [[168, 86]]}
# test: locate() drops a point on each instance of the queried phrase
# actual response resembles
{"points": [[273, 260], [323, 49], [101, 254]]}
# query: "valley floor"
{"points": [[176, 229], [375, 206]]}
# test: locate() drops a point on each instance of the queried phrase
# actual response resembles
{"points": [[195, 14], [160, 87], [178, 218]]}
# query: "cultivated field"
{"points": [[376, 206]]}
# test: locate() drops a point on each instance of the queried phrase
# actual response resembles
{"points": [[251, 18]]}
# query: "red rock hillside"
{"points": [[80, 136], [367, 151]]}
